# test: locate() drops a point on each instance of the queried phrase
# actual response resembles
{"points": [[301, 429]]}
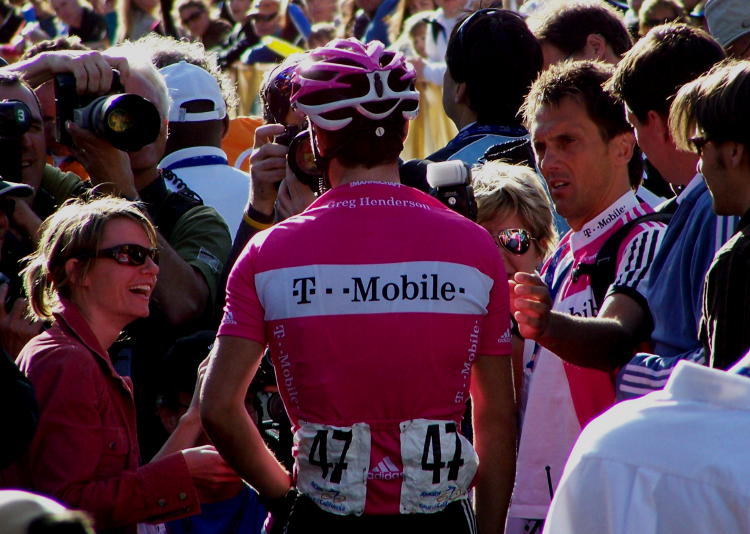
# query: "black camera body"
{"points": [[125, 120], [15, 121], [301, 158]]}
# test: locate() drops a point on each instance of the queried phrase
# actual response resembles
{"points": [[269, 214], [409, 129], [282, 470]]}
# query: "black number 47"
{"points": [[432, 443], [320, 447]]}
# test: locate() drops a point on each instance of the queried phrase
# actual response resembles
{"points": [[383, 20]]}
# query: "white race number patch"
{"points": [[332, 465], [439, 465]]}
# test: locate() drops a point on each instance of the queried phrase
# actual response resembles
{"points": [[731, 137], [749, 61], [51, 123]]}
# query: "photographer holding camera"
{"points": [[275, 191], [193, 239], [368, 322]]}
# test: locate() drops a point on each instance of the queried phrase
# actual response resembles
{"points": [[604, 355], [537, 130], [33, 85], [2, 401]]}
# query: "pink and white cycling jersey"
{"points": [[564, 397], [375, 302]]}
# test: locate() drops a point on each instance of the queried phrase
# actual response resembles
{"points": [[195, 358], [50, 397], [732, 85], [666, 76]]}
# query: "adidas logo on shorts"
{"points": [[385, 470]]}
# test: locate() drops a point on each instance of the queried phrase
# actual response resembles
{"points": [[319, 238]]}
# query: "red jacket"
{"points": [[85, 452]]}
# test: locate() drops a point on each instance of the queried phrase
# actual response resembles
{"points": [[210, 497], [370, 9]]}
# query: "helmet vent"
{"points": [[378, 85]]}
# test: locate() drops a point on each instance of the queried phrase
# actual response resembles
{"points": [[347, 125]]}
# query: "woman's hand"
{"points": [[213, 478]]}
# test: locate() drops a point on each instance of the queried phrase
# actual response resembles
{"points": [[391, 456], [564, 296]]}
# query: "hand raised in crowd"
{"points": [[530, 304], [267, 167], [92, 70], [15, 328], [104, 163], [293, 197], [213, 478]]}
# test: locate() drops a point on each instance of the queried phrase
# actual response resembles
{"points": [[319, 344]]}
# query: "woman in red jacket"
{"points": [[93, 273]]}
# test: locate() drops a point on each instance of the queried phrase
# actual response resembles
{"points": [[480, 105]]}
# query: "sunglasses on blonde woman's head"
{"points": [[515, 240], [129, 254]]}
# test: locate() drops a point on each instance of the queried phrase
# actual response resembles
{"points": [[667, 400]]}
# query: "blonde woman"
{"points": [[515, 209], [93, 273]]}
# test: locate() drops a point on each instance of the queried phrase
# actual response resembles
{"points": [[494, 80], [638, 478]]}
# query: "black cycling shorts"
{"points": [[306, 517]]}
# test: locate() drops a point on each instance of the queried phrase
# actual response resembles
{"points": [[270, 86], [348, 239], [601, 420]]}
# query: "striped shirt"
{"points": [[564, 397]]}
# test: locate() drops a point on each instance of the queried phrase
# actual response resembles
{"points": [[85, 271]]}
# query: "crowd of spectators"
{"points": [[610, 164]]}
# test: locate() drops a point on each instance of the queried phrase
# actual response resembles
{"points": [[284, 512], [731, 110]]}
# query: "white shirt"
{"points": [[674, 461], [435, 48], [204, 169]]}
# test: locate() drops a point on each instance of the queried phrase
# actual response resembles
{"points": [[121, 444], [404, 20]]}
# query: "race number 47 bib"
{"points": [[439, 465], [332, 465]]}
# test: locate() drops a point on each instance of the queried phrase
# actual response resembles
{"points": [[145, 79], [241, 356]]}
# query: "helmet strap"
{"points": [[322, 163]]}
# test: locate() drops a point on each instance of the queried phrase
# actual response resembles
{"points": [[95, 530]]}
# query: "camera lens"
{"points": [[127, 121], [301, 160]]}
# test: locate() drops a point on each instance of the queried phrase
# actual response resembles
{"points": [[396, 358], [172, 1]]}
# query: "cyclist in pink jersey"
{"points": [[383, 311]]}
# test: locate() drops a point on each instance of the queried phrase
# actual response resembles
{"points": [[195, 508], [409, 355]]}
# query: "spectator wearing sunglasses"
{"points": [[515, 209], [94, 271], [272, 18], [197, 21], [583, 145], [657, 12]]}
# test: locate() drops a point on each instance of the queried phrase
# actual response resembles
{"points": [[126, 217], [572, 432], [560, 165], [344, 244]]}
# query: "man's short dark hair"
{"points": [[359, 144], [581, 81], [566, 26], [659, 64], [495, 54]]}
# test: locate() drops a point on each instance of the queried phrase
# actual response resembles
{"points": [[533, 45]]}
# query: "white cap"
{"points": [[187, 83], [728, 20], [19, 508]]}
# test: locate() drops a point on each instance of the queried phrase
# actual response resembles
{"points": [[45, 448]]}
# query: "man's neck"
{"points": [[463, 117], [340, 175], [617, 188], [682, 168]]}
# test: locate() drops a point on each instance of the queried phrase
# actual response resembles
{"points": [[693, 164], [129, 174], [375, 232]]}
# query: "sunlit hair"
{"points": [[166, 51], [505, 190], [73, 231], [566, 25], [138, 55], [668, 57], [717, 105], [582, 81]]}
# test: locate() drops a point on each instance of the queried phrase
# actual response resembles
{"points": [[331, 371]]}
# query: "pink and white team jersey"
{"points": [[375, 302], [563, 397]]}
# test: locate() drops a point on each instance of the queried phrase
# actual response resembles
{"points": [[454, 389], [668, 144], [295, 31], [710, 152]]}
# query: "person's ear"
{"points": [[595, 47], [461, 95], [660, 125], [733, 153], [622, 146], [224, 126], [74, 272]]}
